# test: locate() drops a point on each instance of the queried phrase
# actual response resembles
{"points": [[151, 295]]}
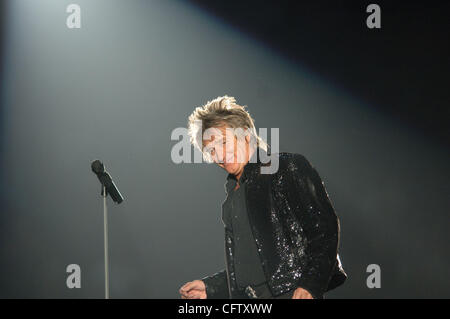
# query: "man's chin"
{"points": [[230, 168]]}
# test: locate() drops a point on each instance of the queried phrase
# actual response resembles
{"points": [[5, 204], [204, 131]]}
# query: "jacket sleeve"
{"points": [[217, 285], [320, 227]]}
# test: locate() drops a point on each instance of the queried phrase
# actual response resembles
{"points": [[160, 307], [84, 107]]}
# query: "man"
{"points": [[281, 231]]}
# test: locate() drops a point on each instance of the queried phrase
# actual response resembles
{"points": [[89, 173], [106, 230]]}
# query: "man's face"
{"points": [[226, 149]]}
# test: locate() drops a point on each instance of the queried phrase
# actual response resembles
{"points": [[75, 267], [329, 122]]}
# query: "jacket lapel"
{"points": [[259, 197]]}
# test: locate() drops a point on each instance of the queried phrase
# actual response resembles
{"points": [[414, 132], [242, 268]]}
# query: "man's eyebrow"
{"points": [[218, 140]]}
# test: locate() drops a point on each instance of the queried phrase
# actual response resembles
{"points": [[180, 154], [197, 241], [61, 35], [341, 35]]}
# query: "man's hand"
{"points": [[301, 293], [193, 290]]}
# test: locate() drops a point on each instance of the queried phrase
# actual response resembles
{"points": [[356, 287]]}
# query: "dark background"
{"points": [[368, 108], [329, 36]]}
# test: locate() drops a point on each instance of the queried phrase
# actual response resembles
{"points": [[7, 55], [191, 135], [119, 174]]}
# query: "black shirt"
{"points": [[248, 269]]}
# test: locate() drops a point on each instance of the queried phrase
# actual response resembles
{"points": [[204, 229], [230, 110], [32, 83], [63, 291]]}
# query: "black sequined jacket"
{"points": [[295, 228]]}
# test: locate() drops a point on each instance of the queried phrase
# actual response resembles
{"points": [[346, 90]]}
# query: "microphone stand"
{"points": [[105, 240], [108, 187]]}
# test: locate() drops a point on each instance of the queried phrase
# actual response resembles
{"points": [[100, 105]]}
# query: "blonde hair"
{"points": [[221, 111]]}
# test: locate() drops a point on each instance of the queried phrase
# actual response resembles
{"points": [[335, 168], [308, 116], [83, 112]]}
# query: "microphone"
{"points": [[105, 179]]}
